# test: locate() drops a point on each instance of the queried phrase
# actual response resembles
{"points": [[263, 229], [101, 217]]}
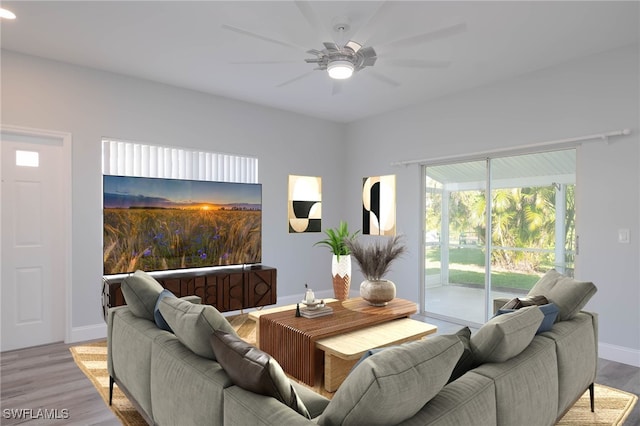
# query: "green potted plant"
{"points": [[336, 240], [374, 261]]}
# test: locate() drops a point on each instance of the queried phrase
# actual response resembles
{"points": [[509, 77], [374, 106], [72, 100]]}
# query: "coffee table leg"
{"points": [[335, 371]]}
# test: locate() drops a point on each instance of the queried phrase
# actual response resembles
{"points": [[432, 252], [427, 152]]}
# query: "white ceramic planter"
{"points": [[341, 273]]}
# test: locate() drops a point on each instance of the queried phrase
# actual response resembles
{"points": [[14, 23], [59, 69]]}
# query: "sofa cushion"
{"points": [[157, 316], [194, 324], [505, 336], [550, 311], [569, 295], [141, 292], [254, 370], [393, 385], [466, 361]]}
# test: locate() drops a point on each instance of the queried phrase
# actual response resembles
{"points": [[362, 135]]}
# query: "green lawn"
{"points": [[470, 257]]}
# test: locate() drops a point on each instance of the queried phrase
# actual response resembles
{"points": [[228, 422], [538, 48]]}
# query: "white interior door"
{"points": [[32, 254]]}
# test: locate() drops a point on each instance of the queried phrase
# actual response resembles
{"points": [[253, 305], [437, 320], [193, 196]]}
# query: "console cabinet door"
{"points": [[261, 288], [232, 286]]}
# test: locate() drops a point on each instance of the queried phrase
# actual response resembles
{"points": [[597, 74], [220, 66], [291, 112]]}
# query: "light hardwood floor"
{"points": [[46, 377]]}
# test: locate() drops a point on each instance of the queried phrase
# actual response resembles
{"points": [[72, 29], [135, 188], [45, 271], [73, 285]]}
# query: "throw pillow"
{"points": [[193, 324], [157, 316], [569, 295], [517, 302], [393, 385], [466, 361], [550, 311], [254, 370], [505, 336], [367, 354], [546, 282], [141, 292]]}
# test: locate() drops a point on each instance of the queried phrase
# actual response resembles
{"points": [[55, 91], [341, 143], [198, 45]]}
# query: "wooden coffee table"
{"points": [[292, 340]]}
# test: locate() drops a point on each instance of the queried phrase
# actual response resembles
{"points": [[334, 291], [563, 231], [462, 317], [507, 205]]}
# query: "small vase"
{"points": [[378, 292], [341, 273]]}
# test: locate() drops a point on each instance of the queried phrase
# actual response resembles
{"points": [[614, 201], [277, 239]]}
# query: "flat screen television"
{"points": [[165, 224]]}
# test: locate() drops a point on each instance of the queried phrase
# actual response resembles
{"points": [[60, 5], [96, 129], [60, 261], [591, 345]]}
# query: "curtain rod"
{"points": [[556, 143]]}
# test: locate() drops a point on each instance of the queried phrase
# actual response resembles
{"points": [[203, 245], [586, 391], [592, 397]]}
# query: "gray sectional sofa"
{"points": [[507, 373]]}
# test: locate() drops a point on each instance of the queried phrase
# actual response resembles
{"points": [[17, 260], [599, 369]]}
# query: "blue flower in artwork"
{"points": [[147, 252], [203, 256], [225, 256]]}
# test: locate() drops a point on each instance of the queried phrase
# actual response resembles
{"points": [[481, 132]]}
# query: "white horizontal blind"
{"points": [[135, 159]]}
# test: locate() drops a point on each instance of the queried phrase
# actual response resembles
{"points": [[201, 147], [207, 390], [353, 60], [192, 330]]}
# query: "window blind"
{"points": [[135, 159]]}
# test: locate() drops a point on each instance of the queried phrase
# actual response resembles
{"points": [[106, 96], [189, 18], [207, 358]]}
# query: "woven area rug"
{"points": [[612, 406]]}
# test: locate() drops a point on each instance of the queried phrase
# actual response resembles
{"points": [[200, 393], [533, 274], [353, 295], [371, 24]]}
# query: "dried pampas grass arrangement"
{"points": [[375, 259]]}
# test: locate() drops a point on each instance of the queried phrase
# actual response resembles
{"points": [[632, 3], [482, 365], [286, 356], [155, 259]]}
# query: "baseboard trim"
{"points": [[619, 354], [88, 332]]}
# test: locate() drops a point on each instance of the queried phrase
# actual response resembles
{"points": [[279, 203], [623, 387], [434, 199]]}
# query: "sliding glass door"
{"points": [[492, 228], [454, 240]]}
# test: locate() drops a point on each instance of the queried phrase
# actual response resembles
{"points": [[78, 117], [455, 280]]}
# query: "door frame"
{"points": [[65, 198]]}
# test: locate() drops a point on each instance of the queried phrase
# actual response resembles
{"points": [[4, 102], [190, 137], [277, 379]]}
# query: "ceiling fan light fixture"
{"points": [[340, 70], [6, 13]]}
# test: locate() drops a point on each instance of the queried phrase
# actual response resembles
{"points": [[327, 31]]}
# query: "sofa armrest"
{"points": [[196, 300], [242, 408], [498, 303], [110, 316]]}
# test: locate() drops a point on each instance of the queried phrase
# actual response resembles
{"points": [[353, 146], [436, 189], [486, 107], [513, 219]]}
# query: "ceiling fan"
{"points": [[342, 60]]}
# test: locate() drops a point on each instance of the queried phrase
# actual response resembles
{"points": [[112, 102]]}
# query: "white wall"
{"points": [[591, 95], [586, 96], [91, 104]]}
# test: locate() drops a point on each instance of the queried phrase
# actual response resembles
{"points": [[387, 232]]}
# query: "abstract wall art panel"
{"points": [[304, 203], [379, 205]]}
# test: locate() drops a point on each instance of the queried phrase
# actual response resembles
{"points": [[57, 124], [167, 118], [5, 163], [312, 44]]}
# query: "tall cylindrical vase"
{"points": [[341, 272]]}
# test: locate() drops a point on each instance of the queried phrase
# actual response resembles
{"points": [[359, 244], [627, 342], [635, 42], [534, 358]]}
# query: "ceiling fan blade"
{"points": [[430, 36], [368, 55], [353, 45], [330, 45], [260, 37], [369, 61], [314, 52], [312, 19], [417, 63], [294, 79], [371, 21], [368, 52], [383, 78]]}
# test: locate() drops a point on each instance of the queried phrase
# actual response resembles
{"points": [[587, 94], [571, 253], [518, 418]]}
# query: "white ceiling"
{"points": [[185, 44]]}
